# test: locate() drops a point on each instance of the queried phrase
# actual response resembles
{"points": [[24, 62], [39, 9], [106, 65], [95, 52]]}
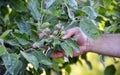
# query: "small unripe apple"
{"points": [[62, 33], [45, 25], [55, 32], [52, 36], [57, 26]]}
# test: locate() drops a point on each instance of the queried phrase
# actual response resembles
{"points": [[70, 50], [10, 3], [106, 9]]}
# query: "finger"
{"points": [[71, 32], [58, 54]]}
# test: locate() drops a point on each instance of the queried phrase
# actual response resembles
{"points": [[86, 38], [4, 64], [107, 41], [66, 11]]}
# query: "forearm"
{"points": [[106, 44]]}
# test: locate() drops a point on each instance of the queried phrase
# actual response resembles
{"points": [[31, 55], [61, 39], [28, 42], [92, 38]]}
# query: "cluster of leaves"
{"points": [[22, 20]]}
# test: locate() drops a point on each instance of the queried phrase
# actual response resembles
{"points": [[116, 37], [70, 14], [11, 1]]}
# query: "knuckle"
{"points": [[77, 29]]}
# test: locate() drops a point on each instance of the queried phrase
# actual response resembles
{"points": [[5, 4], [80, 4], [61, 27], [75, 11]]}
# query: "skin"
{"points": [[106, 44]]}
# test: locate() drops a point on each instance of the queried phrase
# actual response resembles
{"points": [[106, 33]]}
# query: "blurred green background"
{"points": [[98, 68]]}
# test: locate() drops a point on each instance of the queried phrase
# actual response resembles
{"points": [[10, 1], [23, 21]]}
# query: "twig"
{"points": [[41, 19]]}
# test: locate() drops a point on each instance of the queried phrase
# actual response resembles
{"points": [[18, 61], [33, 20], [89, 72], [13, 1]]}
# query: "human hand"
{"points": [[82, 41]]}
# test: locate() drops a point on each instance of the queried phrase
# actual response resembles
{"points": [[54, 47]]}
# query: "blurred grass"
{"points": [[98, 69]]}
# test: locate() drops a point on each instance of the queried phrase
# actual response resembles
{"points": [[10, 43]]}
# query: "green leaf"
{"points": [[73, 45], [23, 26], [1, 21], [107, 2], [40, 43], [67, 48], [22, 38], [3, 3], [41, 57], [70, 14], [59, 60], [89, 64], [89, 28], [31, 58], [18, 67], [4, 34], [4, 11], [49, 52], [90, 11], [45, 25], [110, 70], [12, 64], [33, 6], [56, 67], [48, 3], [68, 69], [84, 56], [2, 50], [73, 3], [12, 42], [34, 36], [56, 42], [102, 60], [17, 5]]}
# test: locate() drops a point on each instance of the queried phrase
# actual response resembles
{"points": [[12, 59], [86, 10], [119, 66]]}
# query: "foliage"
{"points": [[22, 20]]}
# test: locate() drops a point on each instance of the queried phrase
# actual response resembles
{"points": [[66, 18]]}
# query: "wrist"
{"points": [[89, 45]]}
